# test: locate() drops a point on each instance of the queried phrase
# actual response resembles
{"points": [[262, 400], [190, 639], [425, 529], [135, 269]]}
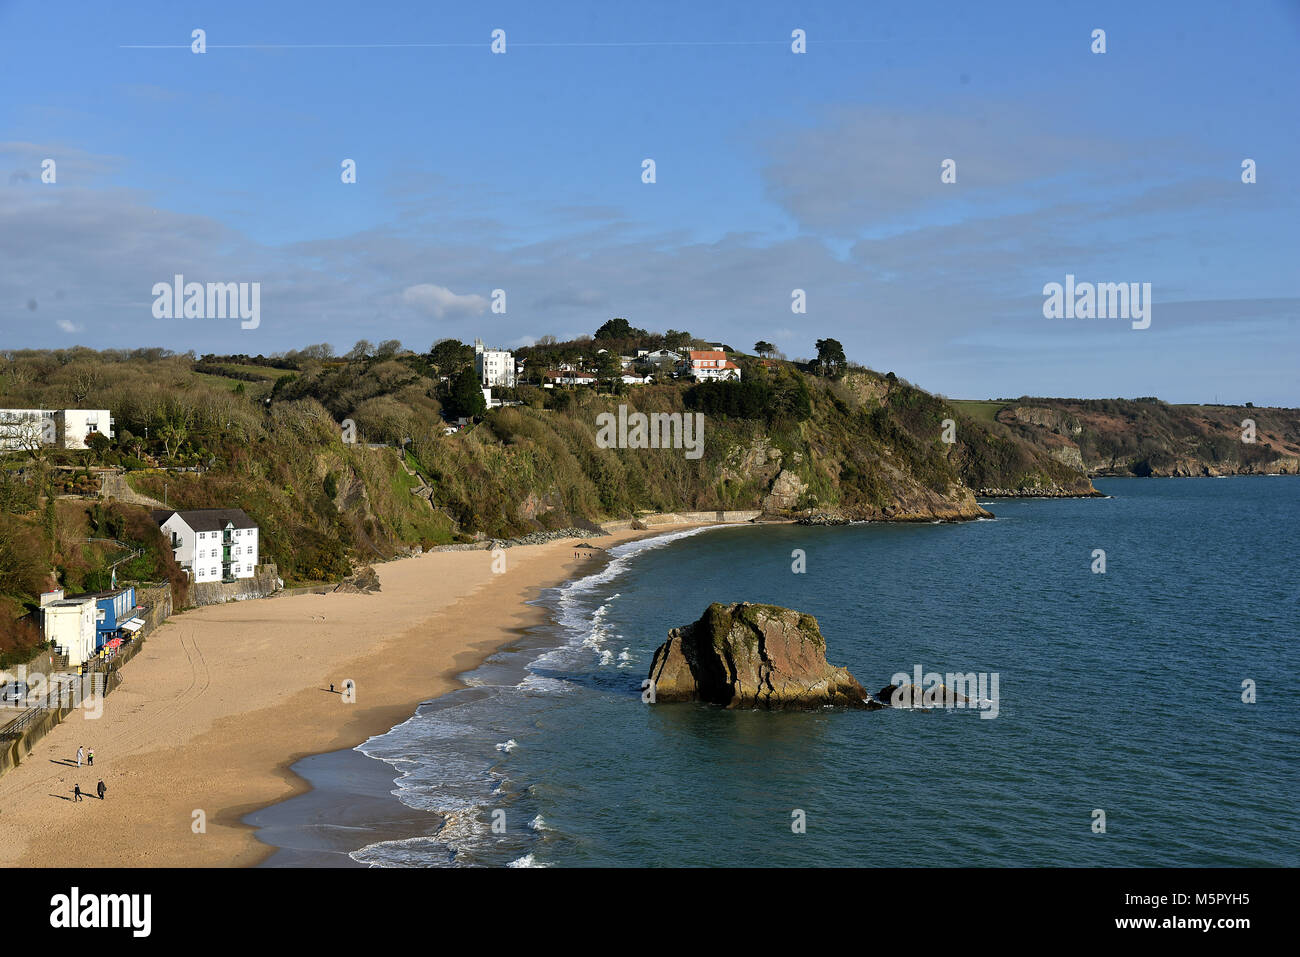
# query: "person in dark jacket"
{"points": [[101, 789]]}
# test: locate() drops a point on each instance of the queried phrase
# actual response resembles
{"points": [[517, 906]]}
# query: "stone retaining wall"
{"points": [[266, 581]]}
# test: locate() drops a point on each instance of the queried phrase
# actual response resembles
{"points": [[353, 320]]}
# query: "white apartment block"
{"points": [[61, 428], [495, 367], [212, 544]]}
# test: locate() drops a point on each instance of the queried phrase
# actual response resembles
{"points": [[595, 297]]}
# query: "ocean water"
{"points": [[1119, 692]]}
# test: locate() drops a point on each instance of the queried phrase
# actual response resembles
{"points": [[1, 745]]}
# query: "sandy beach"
{"points": [[223, 699]]}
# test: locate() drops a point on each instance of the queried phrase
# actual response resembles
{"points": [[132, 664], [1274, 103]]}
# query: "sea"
{"points": [[1145, 648]]}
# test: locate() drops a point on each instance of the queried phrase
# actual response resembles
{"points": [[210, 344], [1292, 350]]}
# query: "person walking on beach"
{"points": [[101, 789], [76, 792], [91, 755], [81, 754]]}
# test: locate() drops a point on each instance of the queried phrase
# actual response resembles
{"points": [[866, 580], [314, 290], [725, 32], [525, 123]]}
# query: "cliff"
{"points": [[1147, 437]]}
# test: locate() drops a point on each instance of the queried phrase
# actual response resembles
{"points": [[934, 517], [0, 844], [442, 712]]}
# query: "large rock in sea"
{"points": [[752, 656]]}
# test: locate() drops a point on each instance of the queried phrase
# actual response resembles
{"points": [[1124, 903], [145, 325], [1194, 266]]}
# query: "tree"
{"points": [[321, 351], [619, 328], [25, 431], [764, 348], [677, 341], [361, 350], [450, 356], [388, 348], [830, 357], [609, 370], [99, 445], [466, 398], [174, 419]]}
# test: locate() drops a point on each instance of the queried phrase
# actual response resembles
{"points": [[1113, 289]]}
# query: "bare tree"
{"points": [[28, 431]]}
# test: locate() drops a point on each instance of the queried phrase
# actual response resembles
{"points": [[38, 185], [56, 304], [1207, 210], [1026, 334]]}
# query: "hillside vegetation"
{"points": [[267, 435]]}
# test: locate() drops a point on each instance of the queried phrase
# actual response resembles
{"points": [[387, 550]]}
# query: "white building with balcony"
{"points": [[212, 544]]}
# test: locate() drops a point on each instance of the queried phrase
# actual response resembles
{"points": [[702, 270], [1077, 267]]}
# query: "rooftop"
{"points": [[207, 519]]}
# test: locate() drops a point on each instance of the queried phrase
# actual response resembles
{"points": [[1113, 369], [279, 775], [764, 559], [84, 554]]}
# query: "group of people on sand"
{"points": [[82, 755]]}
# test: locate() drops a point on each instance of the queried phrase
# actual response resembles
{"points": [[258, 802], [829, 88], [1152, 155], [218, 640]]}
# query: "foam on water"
{"points": [[446, 754]]}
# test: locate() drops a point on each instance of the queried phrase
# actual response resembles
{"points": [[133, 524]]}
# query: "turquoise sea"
{"points": [[1119, 692]]}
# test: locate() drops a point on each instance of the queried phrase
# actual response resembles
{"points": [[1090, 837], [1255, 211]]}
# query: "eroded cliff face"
{"points": [[1147, 437], [752, 656]]}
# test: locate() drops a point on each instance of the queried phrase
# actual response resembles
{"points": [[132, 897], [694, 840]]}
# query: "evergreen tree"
{"points": [[466, 398]]}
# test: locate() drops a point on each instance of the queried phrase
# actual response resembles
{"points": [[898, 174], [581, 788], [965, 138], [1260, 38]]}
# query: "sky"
{"points": [[774, 171]]}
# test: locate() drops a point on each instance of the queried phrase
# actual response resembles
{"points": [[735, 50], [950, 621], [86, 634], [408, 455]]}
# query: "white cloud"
{"points": [[441, 302], [68, 326]]}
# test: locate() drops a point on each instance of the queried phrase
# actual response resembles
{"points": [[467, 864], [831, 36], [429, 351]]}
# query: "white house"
{"points": [[212, 544], [495, 367], [78, 425], [64, 428], [659, 357], [69, 625], [711, 364], [564, 376]]}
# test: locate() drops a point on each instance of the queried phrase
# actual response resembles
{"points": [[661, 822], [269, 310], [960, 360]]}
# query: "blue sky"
{"points": [[775, 171]]}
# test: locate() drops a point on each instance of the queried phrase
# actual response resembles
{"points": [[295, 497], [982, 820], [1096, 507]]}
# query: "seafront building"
{"points": [[212, 544], [69, 625], [57, 428], [114, 614], [495, 367]]}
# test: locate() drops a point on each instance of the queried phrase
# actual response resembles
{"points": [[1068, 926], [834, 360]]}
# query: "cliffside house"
{"points": [[212, 544], [59, 428], [710, 365], [495, 367]]}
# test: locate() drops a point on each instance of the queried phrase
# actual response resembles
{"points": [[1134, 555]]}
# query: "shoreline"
{"points": [[223, 700]]}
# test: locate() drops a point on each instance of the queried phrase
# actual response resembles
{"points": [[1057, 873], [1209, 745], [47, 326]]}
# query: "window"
{"points": [[214, 573]]}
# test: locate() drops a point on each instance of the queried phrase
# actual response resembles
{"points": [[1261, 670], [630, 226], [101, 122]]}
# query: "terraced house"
{"points": [[212, 544]]}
